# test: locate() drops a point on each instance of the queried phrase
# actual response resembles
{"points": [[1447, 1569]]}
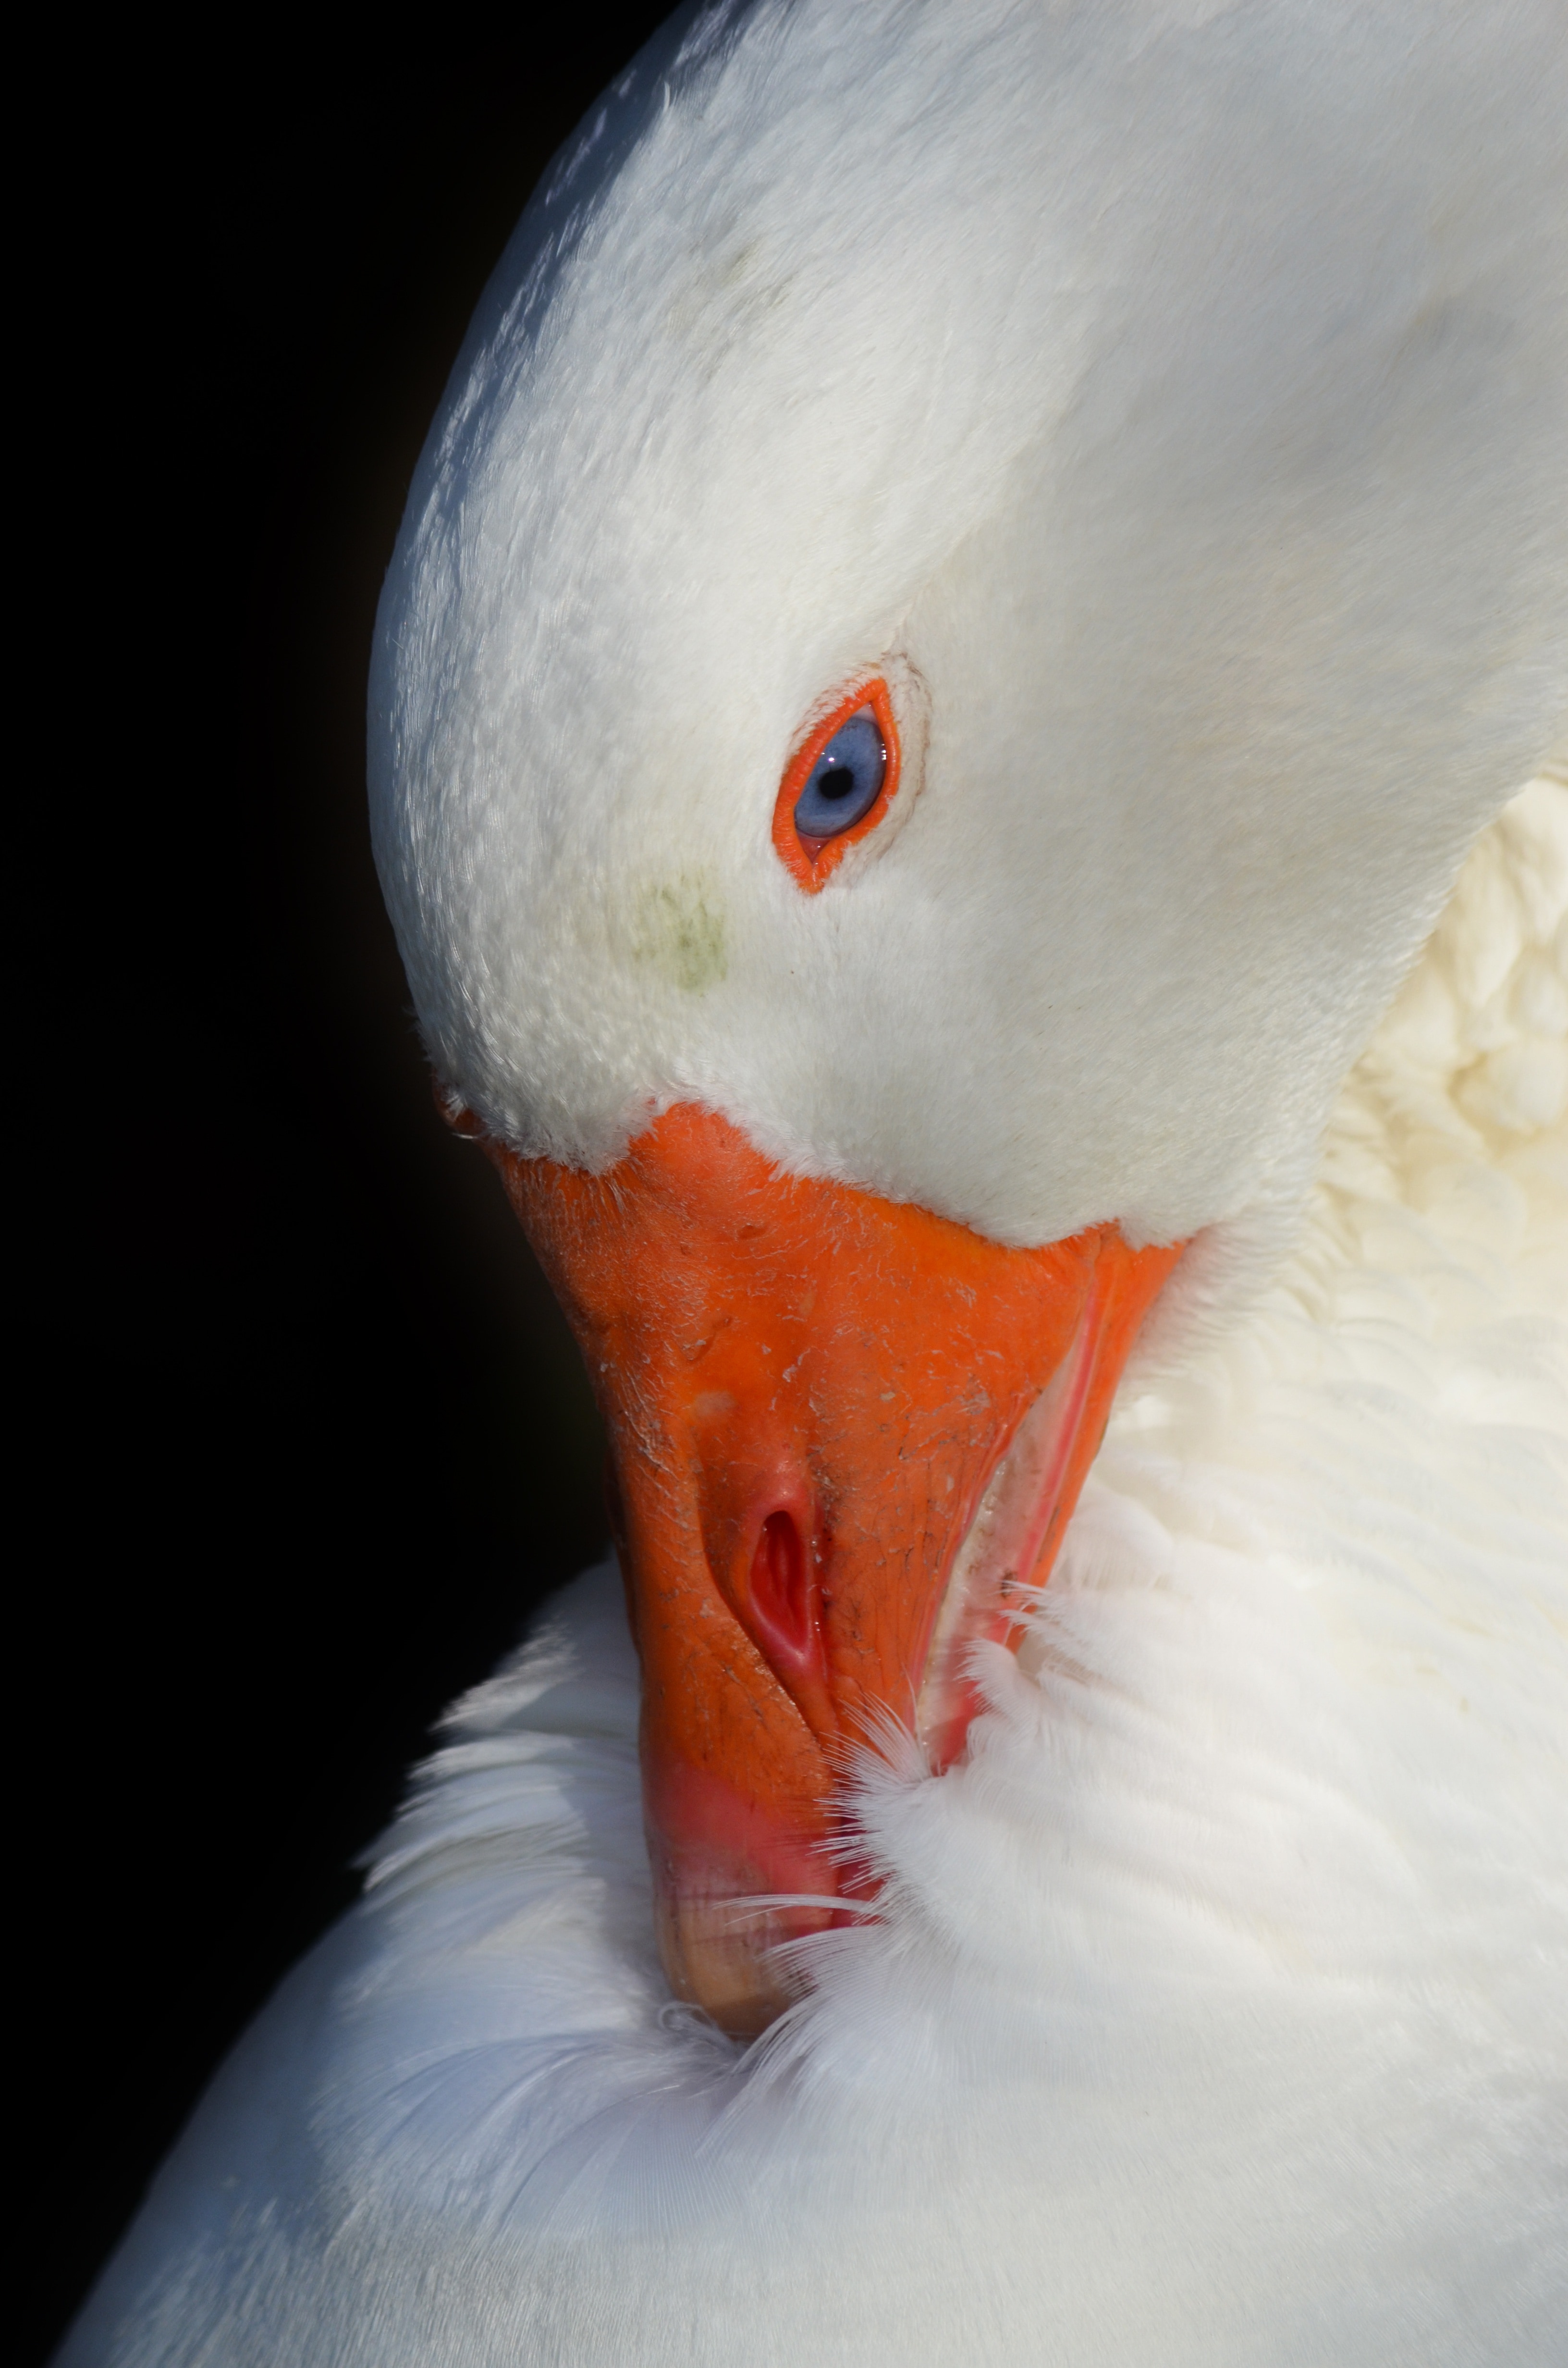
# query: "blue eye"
{"points": [[843, 785]]}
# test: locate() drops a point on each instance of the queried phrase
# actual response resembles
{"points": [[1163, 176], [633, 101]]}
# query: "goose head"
{"points": [[977, 575]]}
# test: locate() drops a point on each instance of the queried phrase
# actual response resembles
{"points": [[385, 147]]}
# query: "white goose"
{"points": [[981, 571]]}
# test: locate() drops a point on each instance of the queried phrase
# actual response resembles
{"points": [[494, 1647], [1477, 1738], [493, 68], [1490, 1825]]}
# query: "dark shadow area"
{"points": [[306, 1437]]}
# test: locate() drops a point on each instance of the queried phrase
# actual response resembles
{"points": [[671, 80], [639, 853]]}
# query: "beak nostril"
{"points": [[783, 1593]]}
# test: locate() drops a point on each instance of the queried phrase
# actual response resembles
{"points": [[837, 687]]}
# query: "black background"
{"points": [[303, 1439]]}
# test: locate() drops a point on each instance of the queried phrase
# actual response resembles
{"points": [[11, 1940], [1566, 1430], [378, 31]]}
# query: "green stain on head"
{"points": [[680, 931]]}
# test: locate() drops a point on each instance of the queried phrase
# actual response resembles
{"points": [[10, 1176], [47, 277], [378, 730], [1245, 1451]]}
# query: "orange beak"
{"points": [[846, 1437]]}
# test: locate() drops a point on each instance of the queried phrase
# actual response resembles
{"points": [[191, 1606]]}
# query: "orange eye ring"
{"points": [[811, 862]]}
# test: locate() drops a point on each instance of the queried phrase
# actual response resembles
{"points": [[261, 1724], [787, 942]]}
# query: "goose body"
{"points": [[1210, 2006]]}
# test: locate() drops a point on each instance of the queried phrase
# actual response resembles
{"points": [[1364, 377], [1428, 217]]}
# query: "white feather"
{"points": [[1175, 401], [1218, 2010]]}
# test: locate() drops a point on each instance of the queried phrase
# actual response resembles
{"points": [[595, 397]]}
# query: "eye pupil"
{"points": [[843, 784]]}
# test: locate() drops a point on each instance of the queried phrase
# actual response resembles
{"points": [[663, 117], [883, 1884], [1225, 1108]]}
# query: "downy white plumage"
{"points": [[1165, 399]]}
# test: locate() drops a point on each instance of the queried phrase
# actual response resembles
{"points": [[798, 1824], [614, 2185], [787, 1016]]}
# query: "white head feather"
{"points": [[1171, 400]]}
